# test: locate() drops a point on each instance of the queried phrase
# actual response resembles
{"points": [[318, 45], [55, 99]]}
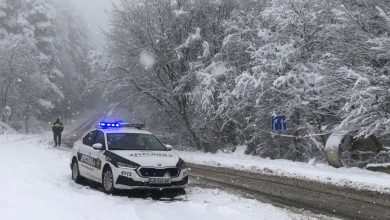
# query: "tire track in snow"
{"points": [[284, 191]]}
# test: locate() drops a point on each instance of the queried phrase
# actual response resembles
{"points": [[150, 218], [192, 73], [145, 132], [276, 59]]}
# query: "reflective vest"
{"points": [[57, 127]]}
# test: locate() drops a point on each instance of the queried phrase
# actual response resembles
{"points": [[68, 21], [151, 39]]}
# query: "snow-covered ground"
{"points": [[36, 184], [353, 177]]}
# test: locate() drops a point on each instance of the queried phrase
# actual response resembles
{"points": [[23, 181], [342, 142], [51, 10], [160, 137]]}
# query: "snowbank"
{"points": [[6, 129], [352, 177]]}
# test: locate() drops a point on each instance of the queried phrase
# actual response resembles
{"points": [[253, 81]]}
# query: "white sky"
{"points": [[95, 13]]}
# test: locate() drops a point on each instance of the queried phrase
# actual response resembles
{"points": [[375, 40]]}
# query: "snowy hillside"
{"points": [[208, 74]]}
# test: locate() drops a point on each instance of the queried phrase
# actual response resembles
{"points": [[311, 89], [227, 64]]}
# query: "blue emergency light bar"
{"points": [[109, 124], [119, 125]]}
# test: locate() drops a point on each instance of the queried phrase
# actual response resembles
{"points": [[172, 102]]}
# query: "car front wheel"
{"points": [[108, 181], [76, 172]]}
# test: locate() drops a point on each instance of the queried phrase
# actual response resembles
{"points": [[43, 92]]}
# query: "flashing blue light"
{"points": [[119, 124], [109, 125]]}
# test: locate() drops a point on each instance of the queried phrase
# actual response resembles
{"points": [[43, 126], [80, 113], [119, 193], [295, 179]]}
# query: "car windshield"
{"points": [[128, 141]]}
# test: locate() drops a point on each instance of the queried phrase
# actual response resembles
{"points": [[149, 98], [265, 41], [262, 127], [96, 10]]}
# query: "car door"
{"points": [[84, 155], [98, 154]]}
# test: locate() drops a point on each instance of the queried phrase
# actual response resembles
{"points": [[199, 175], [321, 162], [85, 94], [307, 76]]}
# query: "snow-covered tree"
{"points": [[222, 69], [43, 48], [156, 48]]}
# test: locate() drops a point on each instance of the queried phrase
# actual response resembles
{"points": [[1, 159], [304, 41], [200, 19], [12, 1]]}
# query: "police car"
{"points": [[123, 156]]}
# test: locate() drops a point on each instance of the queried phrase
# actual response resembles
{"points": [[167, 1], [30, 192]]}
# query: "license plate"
{"points": [[160, 181]]}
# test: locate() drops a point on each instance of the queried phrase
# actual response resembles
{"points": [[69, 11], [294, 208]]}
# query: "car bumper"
{"points": [[130, 179]]}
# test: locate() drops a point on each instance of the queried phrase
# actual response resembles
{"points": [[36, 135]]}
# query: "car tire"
{"points": [[76, 172], [175, 192], [179, 192], [108, 181]]}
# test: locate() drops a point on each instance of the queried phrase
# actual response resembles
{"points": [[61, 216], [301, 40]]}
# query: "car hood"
{"points": [[149, 158]]}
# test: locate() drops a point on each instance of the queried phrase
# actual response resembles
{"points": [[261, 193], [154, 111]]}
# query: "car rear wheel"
{"points": [[76, 172], [108, 181]]}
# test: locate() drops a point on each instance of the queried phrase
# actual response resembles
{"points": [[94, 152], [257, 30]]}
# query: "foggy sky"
{"points": [[95, 13]]}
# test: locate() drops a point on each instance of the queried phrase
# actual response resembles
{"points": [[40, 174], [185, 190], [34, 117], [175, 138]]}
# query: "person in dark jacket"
{"points": [[57, 128]]}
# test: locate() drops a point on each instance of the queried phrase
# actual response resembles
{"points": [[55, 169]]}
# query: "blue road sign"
{"points": [[279, 123]]}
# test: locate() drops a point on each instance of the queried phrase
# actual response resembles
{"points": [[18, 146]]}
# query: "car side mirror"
{"points": [[97, 146], [169, 147]]}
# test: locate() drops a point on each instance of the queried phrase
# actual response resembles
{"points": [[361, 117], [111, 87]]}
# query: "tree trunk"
{"points": [[195, 139], [26, 125]]}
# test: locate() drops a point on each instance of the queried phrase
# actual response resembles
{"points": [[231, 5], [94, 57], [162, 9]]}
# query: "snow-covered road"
{"points": [[36, 184]]}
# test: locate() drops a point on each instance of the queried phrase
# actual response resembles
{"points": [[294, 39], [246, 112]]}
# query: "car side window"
{"points": [[141, 141], [100, 138], [88, 139]]}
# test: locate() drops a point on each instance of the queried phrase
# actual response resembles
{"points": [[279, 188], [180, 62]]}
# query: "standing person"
{"points": [[57, 128]]}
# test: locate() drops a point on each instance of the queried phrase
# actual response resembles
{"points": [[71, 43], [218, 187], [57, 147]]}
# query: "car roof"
{"points": [[124, 130]]}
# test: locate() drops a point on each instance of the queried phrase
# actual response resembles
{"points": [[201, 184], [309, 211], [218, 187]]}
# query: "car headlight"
{"points": [[181, 164], [127, 165]]}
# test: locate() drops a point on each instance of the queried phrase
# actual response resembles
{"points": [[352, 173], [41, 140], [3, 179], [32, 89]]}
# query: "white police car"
{"points": [[122, 156]]}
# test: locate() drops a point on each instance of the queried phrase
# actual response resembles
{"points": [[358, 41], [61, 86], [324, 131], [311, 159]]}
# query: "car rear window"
{"points": [[88, 139]]}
